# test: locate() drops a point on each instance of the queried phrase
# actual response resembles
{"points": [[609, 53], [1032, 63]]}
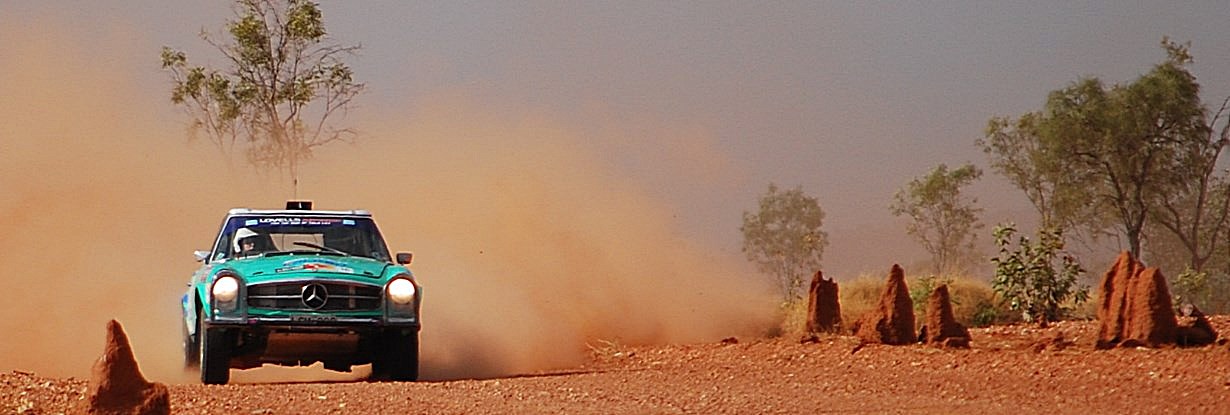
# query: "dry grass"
{"points": [[858, 296], [793, 319], [974, 303]]}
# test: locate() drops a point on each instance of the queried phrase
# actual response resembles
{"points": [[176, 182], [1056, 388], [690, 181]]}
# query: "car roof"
{"points": [[297, 212]]}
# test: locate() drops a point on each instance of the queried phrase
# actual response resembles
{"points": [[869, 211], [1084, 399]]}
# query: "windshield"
{"points": [[262, 235]]}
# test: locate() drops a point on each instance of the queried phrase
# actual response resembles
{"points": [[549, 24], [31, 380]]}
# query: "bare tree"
{"points": [[1197, 213]]}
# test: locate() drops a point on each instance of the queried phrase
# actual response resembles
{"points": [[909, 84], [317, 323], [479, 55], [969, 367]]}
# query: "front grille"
{"points": [[338, 296]]}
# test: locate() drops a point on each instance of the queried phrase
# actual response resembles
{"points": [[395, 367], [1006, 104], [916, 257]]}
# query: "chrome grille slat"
{"points": [[342, 296]]}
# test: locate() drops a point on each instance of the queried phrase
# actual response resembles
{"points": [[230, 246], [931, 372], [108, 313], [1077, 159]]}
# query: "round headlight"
{"points": [[401, 291], [226, 289]]}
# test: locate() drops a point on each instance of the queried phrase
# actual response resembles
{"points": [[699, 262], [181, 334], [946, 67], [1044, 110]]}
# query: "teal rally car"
{"points": [[298, 286]]}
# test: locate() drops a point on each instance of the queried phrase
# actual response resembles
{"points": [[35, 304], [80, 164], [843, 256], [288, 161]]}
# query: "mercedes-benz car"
{"points": [[298, 286]]}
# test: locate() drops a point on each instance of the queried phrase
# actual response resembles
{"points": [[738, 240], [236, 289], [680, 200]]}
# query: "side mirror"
{"points": [[404, 258], [200, 256]]}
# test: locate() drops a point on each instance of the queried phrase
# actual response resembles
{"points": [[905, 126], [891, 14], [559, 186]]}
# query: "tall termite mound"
{"points": [[117, 386], [940, 327], [892, 321], [1135, 309], [823, 308]]}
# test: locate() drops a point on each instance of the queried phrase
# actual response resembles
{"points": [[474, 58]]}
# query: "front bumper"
{"points": [[338, 342], [308, 322]]}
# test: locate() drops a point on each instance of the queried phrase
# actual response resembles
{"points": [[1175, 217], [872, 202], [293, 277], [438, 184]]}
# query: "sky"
{"points": [[708, 102], [562, 138]]}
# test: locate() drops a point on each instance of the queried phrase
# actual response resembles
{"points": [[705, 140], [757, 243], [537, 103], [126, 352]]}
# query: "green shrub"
{"points": [[1210, 293], [1037, 279], [985, 314], [921, 288], [1191, 287]]}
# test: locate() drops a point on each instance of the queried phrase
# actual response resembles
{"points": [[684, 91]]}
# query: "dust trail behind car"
{"points": [[527, 243]]}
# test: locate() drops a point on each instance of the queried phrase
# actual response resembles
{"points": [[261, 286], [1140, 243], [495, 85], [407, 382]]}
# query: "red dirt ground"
{"points": [[1008, 369]]}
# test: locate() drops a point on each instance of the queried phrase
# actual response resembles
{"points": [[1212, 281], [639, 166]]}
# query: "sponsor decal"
{"points": [[285, 221], [315, 264]]}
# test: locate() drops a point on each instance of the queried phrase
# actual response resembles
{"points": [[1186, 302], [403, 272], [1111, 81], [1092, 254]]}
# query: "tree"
{"points": [[1196, 215], [941, 219], [1037, 279], [784, 239], [1108, 153], [1189, 230], [1049, 180], [284, 83]]}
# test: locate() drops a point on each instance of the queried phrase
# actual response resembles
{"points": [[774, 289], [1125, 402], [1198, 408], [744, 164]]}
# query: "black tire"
{"points": [[192, 346], [399, 357], [215, 354]]}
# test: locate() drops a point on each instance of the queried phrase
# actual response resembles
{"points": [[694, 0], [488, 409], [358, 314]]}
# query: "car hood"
{"points": [[256, 270]]}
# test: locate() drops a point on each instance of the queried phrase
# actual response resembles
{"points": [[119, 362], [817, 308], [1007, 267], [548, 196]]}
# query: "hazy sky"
{"points": [[581, 167], [702, 104]]}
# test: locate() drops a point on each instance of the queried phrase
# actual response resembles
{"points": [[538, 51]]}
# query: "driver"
{"points": [[245, 242]]}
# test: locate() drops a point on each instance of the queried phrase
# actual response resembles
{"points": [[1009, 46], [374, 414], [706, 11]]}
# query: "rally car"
{"points": [[298, 286]]}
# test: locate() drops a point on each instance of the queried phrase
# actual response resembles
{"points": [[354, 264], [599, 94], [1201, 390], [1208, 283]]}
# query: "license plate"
{"points": [[311, 318]]}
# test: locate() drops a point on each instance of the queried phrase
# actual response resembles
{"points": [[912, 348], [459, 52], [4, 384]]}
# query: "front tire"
{"points": [[215, 354], [399, 357], [192, 346]]}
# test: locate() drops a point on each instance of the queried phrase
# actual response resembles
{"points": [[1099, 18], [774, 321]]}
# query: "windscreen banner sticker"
{"points": [[315, 264], [299, 221]]}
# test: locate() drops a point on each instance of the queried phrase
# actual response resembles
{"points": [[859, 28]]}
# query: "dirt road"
{"points": [[1013, 370]]}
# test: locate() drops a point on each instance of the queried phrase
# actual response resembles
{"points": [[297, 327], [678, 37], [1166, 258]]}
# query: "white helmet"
{"points": [[240, 235]]}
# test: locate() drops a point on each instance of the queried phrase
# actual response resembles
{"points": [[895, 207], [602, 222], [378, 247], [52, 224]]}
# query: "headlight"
{"points": [[226, 289], [401, 291]]}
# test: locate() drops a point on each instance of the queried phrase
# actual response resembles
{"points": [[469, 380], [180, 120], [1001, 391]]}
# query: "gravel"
{"points": [[1008, 369]]}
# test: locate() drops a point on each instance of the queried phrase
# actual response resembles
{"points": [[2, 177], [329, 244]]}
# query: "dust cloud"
{"points": [[527, 241]]}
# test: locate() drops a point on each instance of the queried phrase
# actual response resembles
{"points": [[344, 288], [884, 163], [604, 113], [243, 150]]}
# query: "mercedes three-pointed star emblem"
{"points": [[314, 296]]}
